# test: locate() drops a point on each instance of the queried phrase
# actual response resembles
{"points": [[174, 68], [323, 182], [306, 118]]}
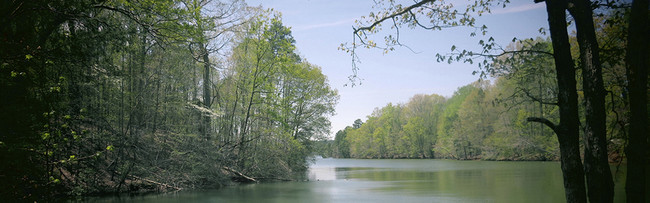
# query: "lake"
{"points": [[396, 180]]}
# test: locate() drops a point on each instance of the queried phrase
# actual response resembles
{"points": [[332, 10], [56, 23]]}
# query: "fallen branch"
{"points": [[204, 110], [157, 183], [241, 175]]}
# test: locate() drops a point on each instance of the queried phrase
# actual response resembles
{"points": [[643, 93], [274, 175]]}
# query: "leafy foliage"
{"points": [[115, 96]]}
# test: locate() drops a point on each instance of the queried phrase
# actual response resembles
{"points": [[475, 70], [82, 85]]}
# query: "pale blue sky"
{"points": [[320, 26]]}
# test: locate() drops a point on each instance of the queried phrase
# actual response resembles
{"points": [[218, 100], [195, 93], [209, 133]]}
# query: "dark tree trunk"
{"points": [[567, 131], [637, 71], [599, 176]]}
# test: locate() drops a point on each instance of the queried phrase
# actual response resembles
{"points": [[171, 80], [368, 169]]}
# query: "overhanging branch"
{"points": [[544, 121], [405, 10], [505, 53]]}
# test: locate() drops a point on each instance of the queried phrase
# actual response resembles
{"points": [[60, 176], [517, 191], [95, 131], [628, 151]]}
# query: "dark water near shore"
{"points": [[356, 180]]}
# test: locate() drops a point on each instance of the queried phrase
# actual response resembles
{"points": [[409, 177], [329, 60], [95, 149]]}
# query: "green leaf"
{"points": [[109, 148], [28, 56], [45, 135]]}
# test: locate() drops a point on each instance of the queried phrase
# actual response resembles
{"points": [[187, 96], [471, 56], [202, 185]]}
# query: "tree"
{"points": [[526, 87], [275, 103], [476, 121], [599, 176], [341, 144], [214, 21], [567, 129], [636, 62], [447, 132], [357, 124], [422, 115]]}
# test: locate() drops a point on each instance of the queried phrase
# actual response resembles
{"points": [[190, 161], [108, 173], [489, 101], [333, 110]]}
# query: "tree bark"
{"points": [[599, 176], [637, 71], [567, 131]]}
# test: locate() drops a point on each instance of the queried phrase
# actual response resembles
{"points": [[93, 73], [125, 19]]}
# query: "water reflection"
{"points": [[444, 180], [353, 180], [317, 174]]}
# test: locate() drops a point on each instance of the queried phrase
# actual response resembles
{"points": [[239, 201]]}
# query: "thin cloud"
{"points": [[517, 9], [324, 25]]}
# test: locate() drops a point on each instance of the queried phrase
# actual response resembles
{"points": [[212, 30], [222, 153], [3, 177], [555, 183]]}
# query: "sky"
{"points": [[320, 26]]}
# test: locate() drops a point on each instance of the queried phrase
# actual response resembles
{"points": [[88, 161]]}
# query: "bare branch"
{"points": [[397, 42], [529, 95], [129, 15], [405, 10], [508, 52]]}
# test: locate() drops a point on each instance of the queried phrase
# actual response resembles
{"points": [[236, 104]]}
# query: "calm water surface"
{"points": [[355, 180]]}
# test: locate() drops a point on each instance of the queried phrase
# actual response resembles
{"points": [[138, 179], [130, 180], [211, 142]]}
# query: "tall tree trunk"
{"points": [[599, 177], [140, 87], [567, 131], [637, 71], [207, 103]]}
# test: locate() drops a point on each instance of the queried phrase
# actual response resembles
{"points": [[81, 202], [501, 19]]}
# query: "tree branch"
{"points": [[405, 10], [537, 99], [165, 185], [544, 121], [241, 175], [505, 53]]}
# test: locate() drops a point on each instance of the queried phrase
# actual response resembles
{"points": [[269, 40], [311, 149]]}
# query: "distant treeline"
{"points": [[483, 120], [469, 125]]}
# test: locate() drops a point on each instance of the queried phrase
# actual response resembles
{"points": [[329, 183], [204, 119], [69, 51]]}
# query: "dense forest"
{"points": [[116, 96]]}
